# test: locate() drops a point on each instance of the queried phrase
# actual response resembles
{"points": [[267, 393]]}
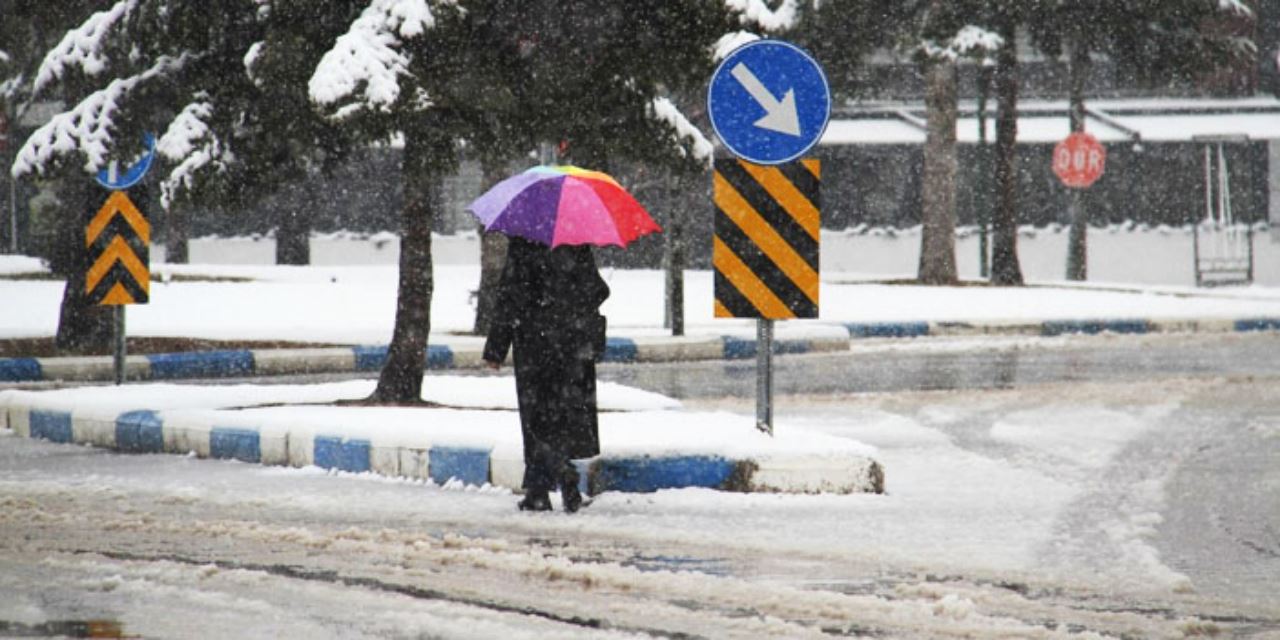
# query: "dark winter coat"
{"points": [[547, 308]]}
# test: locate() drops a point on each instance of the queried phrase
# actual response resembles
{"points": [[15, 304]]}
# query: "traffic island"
{"points": [[648, 444]]}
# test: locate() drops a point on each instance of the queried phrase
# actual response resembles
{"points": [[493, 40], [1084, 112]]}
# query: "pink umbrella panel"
{"points": [[564, 205]]}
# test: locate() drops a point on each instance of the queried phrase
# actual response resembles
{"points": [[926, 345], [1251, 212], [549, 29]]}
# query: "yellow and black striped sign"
{"points": [[766, 239], [118, 240]]}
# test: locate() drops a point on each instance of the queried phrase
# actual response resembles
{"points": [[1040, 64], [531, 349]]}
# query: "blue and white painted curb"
{"points": [[1049, 328], [210, 433], [256, 362], [814, 339]]}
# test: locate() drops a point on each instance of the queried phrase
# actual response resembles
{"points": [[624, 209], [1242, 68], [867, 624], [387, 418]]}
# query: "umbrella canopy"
{"points": [[558, 205]]}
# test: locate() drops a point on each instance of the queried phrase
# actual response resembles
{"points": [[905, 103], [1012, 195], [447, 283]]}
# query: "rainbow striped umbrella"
{"points": [[558, 205]]}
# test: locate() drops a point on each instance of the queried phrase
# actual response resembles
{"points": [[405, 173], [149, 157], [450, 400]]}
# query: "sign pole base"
{"points": [[764, 376], [120, 342]]}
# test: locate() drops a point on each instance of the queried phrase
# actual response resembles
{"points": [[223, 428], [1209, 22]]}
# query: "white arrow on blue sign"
{"points": [[111, 179], [769, 102]]}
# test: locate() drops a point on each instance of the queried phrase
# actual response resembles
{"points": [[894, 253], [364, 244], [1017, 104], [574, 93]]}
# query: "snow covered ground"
{"points": [[1016, 513], [1039, 512], [349, 295], [1119, 254]]}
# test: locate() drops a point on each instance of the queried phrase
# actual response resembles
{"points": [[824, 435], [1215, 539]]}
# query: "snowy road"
{"points": [[987, 362], [1139, 508]]}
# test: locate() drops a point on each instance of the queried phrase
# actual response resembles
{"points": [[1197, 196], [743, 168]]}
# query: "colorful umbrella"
{"points": [[563, 205]]}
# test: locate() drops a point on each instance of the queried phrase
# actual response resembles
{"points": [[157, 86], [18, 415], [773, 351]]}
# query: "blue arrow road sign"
{"points": [[769, 102], [134, 173]]}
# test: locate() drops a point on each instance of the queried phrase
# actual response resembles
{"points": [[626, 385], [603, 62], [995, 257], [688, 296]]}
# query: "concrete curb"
{"points": [[1049, 328], [202, 432], [247, 363]]}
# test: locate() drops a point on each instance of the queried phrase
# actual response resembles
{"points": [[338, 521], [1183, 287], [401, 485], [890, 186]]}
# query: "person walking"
{"points": [[547, 313], [547, 310]]}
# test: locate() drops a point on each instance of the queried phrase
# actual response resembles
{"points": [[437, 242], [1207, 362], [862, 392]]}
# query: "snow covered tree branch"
{"points": [[87, 128], [193, 147], [250, 57], [757, 12], [730, 41], [1235, 6], [691, 142], [83, 47], [365, 65], [970, 40]]}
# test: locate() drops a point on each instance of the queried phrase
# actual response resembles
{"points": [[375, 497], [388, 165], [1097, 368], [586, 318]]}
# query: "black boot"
{"points": [[539, 479], [569, 492], [535, 500]]}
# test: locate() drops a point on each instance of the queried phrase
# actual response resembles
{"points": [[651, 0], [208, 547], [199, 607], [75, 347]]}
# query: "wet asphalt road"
{"points": [[940, 364], [917, 364], [1218, 456], [1216, 460]]}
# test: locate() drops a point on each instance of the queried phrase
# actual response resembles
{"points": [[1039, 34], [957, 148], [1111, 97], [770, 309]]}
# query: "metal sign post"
{"points": [[769, 103], [117, 313], [118, 359], [764, 375], [1078, 161]]}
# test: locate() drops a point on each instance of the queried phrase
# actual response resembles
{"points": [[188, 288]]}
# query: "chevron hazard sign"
{"points": [[766, 243], [118, 239]]}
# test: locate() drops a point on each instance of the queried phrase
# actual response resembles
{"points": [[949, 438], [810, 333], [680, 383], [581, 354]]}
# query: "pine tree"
{"points": [[231, 132], [500, 75], [406, 69], [29, 29], [84, 71], [289, 142]]}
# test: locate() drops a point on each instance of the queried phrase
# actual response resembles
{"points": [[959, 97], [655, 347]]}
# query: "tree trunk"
{"points": [[938, 234], [83, 327], [1077, 247], [293, 230], [177, 249], [293, 239], [401, 378], [493, 254], [1005, 270]]}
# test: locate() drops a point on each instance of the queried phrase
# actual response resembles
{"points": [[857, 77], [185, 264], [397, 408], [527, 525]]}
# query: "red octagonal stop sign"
{"points": [[1079, 160]]}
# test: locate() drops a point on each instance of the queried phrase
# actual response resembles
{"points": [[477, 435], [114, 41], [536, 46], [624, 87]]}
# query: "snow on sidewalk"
{"points": [[647, 442]]}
